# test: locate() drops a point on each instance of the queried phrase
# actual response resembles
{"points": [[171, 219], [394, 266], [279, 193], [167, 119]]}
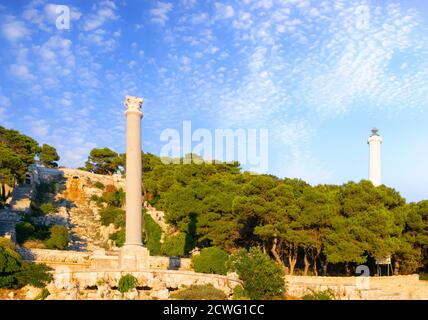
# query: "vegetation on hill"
{"points": [[211, 260], [48, 156], [326, 229], [262, 277], [31, 233], [18, 152], [16, 273], [323, 229], [104, 161]]}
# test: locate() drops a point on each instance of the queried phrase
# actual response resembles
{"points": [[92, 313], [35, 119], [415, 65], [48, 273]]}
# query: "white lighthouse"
{"points": [[375, 163]]}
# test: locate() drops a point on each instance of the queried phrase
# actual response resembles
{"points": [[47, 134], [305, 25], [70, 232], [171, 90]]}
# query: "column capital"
{"points": [[133, 103]]}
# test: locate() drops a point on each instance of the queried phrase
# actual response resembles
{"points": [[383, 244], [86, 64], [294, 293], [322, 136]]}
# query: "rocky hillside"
{"points": [[71, 193]]}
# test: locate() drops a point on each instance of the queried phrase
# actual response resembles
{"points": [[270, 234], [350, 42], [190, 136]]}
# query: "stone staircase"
{"points": [[159, 218], [21, 198], [85, 228]]}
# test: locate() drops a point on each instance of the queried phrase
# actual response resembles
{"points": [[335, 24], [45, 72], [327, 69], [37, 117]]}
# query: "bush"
{"points": [[423, 276], [239, 293], [24, 231], [43, 295], [199, 292], [113, 215], [99, 185], [119, 237], [116, 198], [47, 208], [320, 295], [15, 273], [127, 283], [175, 245], [152, 234], [43, 191], [10, 264], [211, 260], [96, 199], [58, 238], [262, 277], [34, 274]]}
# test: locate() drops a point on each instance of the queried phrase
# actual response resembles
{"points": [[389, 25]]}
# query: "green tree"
{"points": [[174, 245], [211, 260], [15, 273], [152, 234], [17, 153], [48, 156], [103, 161], [262, 277]]}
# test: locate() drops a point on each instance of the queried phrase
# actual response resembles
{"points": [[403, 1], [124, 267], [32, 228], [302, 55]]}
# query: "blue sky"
{"points": [[306, 70]]}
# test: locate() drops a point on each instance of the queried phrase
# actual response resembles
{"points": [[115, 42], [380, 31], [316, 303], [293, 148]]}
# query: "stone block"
{"points": [[133, 258]]}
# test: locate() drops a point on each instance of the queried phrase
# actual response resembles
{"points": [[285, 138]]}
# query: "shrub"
{"points": [[152, 234], [58, 238], [127, 283], [262, 277], [211, 260], [15, 273], [118, 237], [95, 198], [10, 264], [423, 276], [320, 295], [43, 295], [47, 208], [199, 292], [239, 293], [24, 231], [34, 274], [174, 245], [99, 185], [43, 191], [113, 215], [115, 198]]}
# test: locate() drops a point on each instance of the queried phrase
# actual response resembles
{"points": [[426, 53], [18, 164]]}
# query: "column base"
{"points": [[133, 258]]}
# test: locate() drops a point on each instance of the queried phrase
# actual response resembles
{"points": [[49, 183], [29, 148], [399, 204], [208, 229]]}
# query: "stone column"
{"points": [[375, 142], [133, 255], [133, 171]]}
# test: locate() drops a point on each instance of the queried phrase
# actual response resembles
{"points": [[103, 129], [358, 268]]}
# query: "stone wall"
{"points": [[99, 259], [359, 288], [7, 223], [153, 284]]}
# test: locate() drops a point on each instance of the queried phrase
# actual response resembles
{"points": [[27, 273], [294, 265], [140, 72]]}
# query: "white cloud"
{"points": [[21, 71], [104, 12], [223, 11], [199, 18], [160, 12], [38, 127], [14, 30]]}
